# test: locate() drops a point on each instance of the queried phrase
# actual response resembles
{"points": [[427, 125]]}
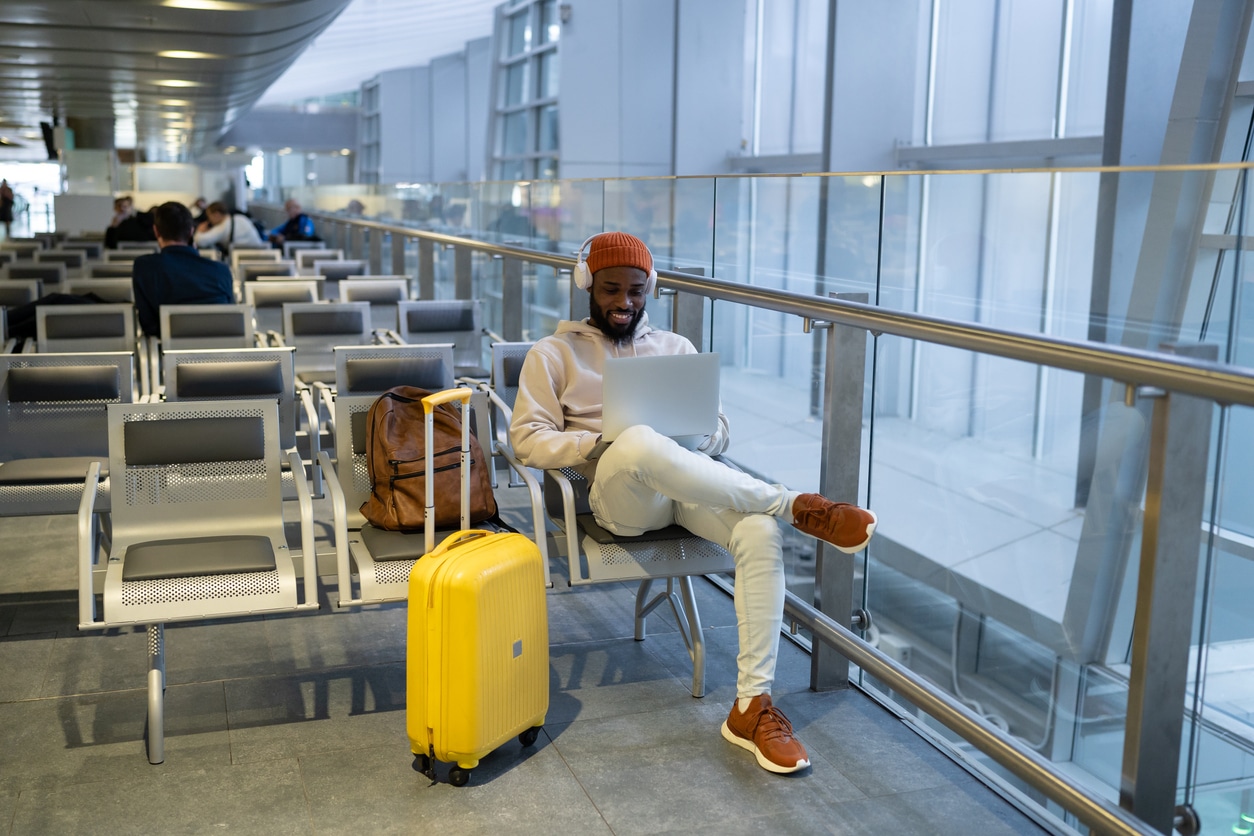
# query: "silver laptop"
{"points": [[675, 394]]}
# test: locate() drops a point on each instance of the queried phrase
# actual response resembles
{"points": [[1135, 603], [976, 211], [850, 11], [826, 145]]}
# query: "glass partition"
{"points": [[1011, 495]]}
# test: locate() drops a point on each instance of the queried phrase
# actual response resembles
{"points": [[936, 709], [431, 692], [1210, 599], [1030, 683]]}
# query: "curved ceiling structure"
{"points": [[162, 76]]}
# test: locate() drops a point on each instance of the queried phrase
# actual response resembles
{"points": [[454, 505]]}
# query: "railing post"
{"points": [[844, 379], [356, 243], [376, 252], [426, 269], [399, 245], [688, 312], [511, 298], [463, 274], [1162, 627]]}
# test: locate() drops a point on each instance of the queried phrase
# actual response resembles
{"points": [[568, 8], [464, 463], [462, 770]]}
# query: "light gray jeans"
{"points": [[645, 481]]}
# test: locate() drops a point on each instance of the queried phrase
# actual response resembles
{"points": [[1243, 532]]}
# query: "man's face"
{"points": [[616, 301], [293, 208]]}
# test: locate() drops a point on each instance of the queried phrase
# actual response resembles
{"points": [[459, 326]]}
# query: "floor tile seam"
{"points": [[185, 683], [578, 781]]}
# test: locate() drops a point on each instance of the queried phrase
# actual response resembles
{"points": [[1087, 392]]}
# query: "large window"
{"points": [[525, 139]]}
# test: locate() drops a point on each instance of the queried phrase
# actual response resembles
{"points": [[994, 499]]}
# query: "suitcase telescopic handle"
{"points": [[429, 403], [433, 400]]}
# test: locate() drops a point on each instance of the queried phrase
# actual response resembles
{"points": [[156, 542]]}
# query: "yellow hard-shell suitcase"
{"points": [[477, 670]]}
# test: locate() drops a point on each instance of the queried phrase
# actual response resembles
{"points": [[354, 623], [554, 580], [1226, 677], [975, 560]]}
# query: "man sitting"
{"points": [[646, 481], [177, 275], [297, 227], [226, 228]]}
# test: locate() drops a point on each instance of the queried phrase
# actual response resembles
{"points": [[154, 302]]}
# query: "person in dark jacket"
{"points": [[297, 227], [178, 274]]}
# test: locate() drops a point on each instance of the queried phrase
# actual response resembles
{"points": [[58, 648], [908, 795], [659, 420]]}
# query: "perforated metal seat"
{"points": [[53, 423], [459, 321], [673, 554], [198, 528]]}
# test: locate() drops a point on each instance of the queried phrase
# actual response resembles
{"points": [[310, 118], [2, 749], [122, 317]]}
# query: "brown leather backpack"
{"points": [[396, 464]]}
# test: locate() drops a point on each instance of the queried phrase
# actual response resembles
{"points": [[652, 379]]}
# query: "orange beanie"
{"points": [[618, 249]]}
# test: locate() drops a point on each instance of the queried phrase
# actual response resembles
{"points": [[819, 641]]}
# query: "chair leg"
{"points": [[156, 693], [696, 636]]}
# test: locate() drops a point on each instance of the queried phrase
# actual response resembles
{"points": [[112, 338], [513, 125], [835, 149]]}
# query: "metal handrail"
{"points": [[1096, 812], [1222, 383]]}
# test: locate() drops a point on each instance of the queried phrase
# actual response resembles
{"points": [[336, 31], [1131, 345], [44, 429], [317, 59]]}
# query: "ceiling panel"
{"points": [[95, 61]]}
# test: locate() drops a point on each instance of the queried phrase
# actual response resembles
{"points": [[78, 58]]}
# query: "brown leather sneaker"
{"points": [[765, 731], [847, 527]]}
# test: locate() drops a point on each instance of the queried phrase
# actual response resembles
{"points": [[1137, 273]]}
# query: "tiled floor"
{"points": [[297, 725]]}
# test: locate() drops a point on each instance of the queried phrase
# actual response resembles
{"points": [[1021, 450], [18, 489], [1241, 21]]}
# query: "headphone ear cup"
{"points": [[582, 275], [650, 282]]}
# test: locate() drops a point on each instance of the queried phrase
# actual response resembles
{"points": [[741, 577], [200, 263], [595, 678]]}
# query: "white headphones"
{"points": [[583, 276]]}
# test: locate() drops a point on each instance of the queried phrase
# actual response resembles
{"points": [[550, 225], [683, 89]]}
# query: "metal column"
{"points": [[844, 380], [356, 242], [1163, 625], [688, 313]]}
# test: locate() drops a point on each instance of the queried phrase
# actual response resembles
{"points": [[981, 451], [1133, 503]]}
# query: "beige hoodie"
{"points": [[557, 415]]}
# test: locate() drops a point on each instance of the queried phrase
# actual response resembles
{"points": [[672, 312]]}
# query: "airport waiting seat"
{"points": [[53, 424], [306, 257], [110, 269], [7, 343], [239, 373], [7, 256], [94, 249], [383, 296], [122, 256], [260, 252], [248, 271], [74, 260], [672, 554], [291, 247], [362, 374], [21, 248], [206, 326], [314, 329], [101, 327], [51, 273], [110, 290], [14, 292], [382, 559], [139, 247], [336, 271], [267, 300], [197, 527], [459, 321]]}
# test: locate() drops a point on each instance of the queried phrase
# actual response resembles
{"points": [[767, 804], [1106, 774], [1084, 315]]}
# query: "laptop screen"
{"points": [[676, 394]]}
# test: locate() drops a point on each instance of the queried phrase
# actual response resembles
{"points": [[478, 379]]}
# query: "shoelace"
{"points": [[772, 724]]}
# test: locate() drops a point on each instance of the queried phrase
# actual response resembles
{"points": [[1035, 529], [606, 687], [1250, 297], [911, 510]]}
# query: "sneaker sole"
{"points": [[748, 745], [870, 530]]}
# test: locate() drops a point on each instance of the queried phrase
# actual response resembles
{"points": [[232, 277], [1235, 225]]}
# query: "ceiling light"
{"points": [[211, 5], [174, 102], [171, 114], [285, 150], [230, 149], [186, 53], [344, 152], [176, 82]]}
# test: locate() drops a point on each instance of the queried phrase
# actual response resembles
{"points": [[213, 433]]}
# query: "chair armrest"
{"points": [[308, 546], [568, 522], [87, 547], [537, 508], [10, 344], [315, 439], [339, 527], [276, 339]]}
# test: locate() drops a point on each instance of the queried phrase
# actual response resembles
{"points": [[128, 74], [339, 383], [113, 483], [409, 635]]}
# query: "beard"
{"points": [[620, 334]]}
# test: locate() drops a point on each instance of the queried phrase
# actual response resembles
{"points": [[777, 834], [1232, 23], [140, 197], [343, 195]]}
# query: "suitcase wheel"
{"points": [[459, 777], [422, 764], [529, 736]]}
